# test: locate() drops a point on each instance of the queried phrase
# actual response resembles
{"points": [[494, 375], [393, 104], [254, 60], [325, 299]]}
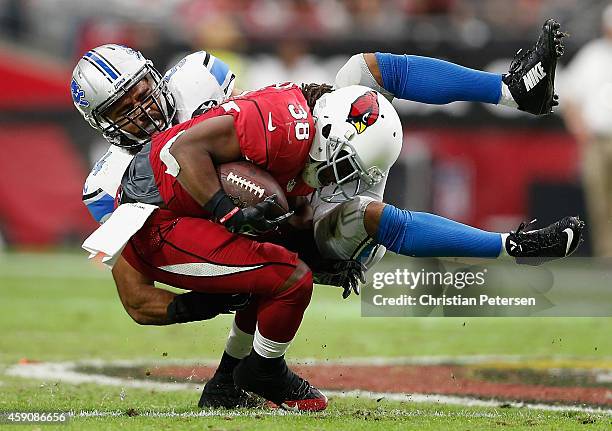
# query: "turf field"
{"points": [[59, 308]]}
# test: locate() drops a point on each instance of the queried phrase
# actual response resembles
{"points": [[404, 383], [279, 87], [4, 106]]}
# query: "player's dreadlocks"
{"points": [[312, 92]]}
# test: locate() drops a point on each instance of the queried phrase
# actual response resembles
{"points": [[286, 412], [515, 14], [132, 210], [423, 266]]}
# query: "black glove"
{"points": [[196, 306], [343, 273], [256, 219]]}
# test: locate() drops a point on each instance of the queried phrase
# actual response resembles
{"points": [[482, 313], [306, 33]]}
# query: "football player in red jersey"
{"points": [[274, 129]]}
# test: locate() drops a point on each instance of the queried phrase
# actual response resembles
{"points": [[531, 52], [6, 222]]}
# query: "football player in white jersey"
{"points": [[198, 81]]}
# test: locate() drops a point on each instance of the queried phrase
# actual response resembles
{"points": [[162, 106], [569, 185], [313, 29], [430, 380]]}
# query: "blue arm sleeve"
{"points": [[419, 234], [433, 81]]}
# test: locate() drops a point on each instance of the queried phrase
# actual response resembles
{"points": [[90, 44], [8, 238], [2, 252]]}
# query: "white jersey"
{"points": [[198, 81]]}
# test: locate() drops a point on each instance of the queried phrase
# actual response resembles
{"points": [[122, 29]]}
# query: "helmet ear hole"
{"points": [[326, 130]]}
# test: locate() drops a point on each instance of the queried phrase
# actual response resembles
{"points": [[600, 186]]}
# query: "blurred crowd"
{"points": [[66, 27], [287, 40]]}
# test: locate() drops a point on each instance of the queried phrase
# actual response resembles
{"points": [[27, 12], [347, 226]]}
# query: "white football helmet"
{"points": [[103, 76], [358, 137]]}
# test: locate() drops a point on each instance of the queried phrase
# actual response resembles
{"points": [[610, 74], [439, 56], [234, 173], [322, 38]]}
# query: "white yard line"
{"points": [[261, 412], [441, 360], [66, 372], [366, 360]]}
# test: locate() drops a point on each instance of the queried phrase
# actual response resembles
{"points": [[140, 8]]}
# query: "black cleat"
{"points": [[221, 392], [531, 78], [281, 386], [534, 247]]}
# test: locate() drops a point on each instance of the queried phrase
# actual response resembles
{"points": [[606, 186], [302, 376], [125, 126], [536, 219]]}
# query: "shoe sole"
{"points": [[549, 29]]}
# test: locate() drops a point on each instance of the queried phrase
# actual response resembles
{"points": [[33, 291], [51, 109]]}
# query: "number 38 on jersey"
{"points": [[302, 128]]}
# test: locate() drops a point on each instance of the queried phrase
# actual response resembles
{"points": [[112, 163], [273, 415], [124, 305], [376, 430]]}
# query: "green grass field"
{"points": [[60, 307]]}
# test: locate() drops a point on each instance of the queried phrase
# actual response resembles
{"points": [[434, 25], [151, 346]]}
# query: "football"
{"points": [[248, 184]]}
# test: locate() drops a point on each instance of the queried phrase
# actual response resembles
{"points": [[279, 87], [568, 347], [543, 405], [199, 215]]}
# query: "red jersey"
{"points": [[275, 129]]}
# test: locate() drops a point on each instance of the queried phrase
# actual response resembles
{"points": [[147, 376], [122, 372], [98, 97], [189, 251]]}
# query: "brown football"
{"points": [[248, 184]]}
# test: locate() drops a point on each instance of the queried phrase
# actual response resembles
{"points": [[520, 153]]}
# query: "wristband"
{"points": [[221, 206]]}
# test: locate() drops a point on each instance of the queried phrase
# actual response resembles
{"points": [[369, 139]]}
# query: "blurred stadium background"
{"points": [[478, 164]]}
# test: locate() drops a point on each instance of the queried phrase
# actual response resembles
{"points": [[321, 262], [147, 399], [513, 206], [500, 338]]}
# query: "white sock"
{"points": [[503, 252], [238, 343], [506, 98], [268, 348]]}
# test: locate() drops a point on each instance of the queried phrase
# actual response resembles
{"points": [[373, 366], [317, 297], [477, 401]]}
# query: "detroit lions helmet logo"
{"points": [[364, 111], [78, 95]]}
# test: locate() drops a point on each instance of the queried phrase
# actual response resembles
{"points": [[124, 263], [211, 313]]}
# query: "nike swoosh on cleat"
{"points": [[271, 127], [570, 238]]}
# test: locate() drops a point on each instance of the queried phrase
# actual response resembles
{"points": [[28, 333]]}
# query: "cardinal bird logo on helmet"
{"points": [[364, 111]]}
